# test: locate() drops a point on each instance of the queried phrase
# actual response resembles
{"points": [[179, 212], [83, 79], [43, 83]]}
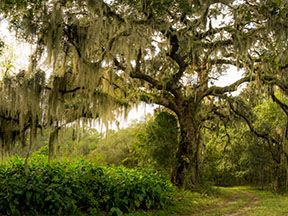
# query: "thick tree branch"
{"points": [[215, 90], [275, 150], [282, 105], [262, 135], [141, 76], [273, 80], [158, 99], [138, 61], [137, 74], [63, 92], [118, 65], [180, 60], [71, 90]]}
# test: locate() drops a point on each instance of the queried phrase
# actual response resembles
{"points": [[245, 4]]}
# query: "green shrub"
{"points": [[78, 188]]}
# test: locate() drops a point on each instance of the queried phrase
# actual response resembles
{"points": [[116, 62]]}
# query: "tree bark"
{"points": [[276, 180], [186, 172], [286, 169], [52, 138]]}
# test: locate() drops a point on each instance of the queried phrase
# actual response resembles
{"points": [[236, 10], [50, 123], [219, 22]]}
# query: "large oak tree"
{"points": [[165, 52]]}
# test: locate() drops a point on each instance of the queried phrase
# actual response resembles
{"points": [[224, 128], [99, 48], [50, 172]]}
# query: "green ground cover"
{"points": [[230, 201], [83, 188], [78, 188]]}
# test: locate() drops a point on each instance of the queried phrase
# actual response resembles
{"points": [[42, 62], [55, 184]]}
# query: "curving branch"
{"points": [[180, 60], [137, 74], [282, 105], [141, 76], [162, 99], [266, 136], [216, 90], [274, 80]]}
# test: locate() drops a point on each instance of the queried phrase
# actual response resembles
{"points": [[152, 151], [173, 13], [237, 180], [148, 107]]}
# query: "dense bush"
{"points": [[160, 141], [78, 188]]}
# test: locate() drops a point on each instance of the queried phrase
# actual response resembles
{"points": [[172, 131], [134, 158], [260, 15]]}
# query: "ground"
{"points": [[232, 201]]}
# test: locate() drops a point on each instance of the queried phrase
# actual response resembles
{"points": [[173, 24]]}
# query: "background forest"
{"points": [[94, 60]]}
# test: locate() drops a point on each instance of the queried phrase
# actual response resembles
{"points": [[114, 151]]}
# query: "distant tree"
{"points": [[268, 122], [121, 147]]}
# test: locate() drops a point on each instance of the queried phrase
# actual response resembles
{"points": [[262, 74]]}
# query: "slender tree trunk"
{"points": [[52, 139], [277, 171], [276, 182], [286, 169], [2, 150], [186, 172]]}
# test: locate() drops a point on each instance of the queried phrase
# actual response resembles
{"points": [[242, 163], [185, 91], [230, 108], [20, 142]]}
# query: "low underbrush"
{"points": [[78, 188]]}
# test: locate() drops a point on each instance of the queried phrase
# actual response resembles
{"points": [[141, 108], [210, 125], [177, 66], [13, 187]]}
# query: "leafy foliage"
{"points": [[161, 140], [69, 189], [120, 147], [253, 151], [152, 143]]}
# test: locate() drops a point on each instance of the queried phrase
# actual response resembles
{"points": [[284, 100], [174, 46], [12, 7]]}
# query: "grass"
{"points": [[227, 201], [269, 204], [187, 203]]}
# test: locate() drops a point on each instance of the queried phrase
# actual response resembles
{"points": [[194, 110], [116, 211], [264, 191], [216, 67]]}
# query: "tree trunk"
{"points": [[285, 174], [276, 180], [186, 172], [286, 169], [52, 138]]}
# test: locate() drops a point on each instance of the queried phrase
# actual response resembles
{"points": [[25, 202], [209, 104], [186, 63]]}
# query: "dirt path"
{"points": [[230, 206], [253, 200]]}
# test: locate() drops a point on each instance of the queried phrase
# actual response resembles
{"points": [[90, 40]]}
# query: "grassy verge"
{"points": [[188, 203], [227, 201], [269, 204]]}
